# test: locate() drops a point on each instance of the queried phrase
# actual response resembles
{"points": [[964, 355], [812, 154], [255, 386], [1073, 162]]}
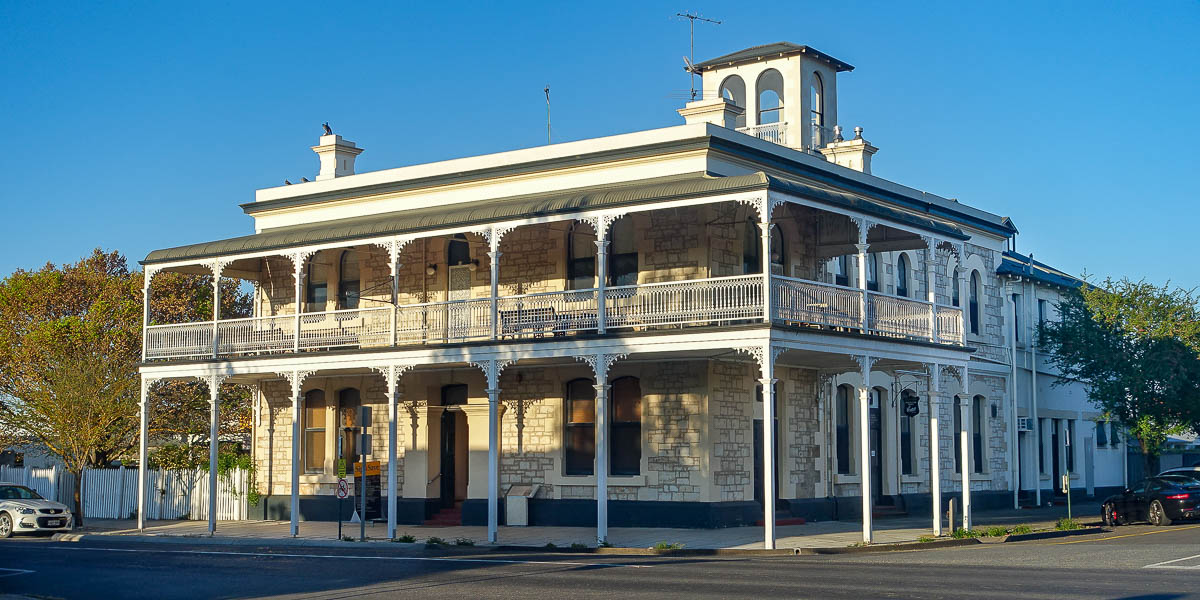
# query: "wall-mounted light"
{"points": [[431, 270], [473, 265]]}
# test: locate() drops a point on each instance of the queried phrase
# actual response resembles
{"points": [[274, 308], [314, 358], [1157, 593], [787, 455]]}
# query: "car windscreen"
{"points": [[1181, 481], [18, 492]]}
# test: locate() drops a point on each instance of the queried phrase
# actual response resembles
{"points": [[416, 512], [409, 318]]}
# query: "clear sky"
{"points": [[143, 125]]}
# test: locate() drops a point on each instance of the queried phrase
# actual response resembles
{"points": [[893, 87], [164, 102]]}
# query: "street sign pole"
{"points": [[1067, 476], [341, 480], [360, 485]]}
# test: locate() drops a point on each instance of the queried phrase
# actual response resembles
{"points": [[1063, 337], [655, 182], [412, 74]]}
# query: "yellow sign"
{"points": [[372, 468], [341, 468]]}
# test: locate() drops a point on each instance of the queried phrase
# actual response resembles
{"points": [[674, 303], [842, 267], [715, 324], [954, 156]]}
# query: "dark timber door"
{"points": [[447, 471], [876, 425], [1056, 480]]}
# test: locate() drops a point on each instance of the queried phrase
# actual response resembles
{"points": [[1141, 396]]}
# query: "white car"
{"points": [[22, 510]]}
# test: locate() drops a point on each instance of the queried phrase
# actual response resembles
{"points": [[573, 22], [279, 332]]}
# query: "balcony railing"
{"points": [[771, 132], [701, 302]]}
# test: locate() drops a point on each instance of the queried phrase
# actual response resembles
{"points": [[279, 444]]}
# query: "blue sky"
{"points": [[144, 125]]}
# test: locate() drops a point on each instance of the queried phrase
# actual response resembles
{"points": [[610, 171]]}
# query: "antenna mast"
{"points": [[547, 90], [692, 18]]}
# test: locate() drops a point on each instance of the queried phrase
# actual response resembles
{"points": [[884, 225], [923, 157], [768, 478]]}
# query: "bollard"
{"points": [[950, 515]]}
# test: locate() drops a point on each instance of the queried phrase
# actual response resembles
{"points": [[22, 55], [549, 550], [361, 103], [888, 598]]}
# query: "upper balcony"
{"points": [[682, 253]]}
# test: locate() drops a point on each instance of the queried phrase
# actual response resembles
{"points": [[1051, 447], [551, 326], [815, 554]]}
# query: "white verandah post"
{"points": [[864, 440], [493, 393], [765, 232], [494, 260], [862, 247], [298, 272], [214, 392], [767, 381], [968, 460], [930, 290], [601, 273], [143, 433], [935, 465]]}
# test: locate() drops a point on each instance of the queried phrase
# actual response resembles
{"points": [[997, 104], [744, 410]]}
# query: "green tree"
{"points": [[1136, 346], [70, 343]]}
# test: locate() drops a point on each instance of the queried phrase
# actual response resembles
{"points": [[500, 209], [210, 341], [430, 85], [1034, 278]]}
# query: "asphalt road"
{"points": [[1138, 562]]}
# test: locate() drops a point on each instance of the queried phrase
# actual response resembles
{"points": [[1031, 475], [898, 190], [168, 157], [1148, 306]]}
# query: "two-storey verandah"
{"points": [[480, 327]]}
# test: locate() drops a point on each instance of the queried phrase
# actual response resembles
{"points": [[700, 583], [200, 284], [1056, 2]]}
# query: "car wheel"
{"points": [[1158, 516], [6, 525], [1110, 519]]}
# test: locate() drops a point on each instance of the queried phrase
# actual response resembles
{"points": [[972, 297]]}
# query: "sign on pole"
{"points": [[343, 488], [341, 467]]}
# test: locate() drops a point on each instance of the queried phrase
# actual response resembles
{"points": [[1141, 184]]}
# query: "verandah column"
{"points": [[392, 374], [296, 378], [298, 273], [935, 465], [865, 363], [864, 305], [600, 364], [765, 233], [768, 393], [494, 259], [143, 434], [968, 460], [216, 267], [930, 290], [214, 392], [601, 228]]}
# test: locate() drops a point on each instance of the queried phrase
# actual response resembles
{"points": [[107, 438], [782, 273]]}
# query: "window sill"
{"points": [[319, 478], [847, 479], [590, 480], [912, 479]]}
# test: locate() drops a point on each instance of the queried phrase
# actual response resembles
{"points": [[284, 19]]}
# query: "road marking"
{"points": [[363, 557], [1167, 564], [1117, 537], [15, 572]]}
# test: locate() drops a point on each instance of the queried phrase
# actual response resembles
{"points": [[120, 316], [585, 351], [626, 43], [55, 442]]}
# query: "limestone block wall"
{"points": [[800, 453], [731, 417], [673, 430], [531, 430], [671, 244], [273, 438]]}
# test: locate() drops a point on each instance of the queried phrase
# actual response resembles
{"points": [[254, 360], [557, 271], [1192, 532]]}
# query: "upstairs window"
{"points": [[976, 291], [841, 270], [955, 294], [349, 284], [817, 102], [770, 97], [581, 427], [622, 253], [873, 272], [316, 289], [581, 258], [751, 248], [733, 89], [902, 276]]}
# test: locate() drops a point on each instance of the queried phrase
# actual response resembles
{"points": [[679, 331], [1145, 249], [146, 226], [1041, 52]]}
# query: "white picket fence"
{"points": [[112, 493]]}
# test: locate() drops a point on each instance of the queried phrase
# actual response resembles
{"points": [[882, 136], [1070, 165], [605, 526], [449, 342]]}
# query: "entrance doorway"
{"points": [[1056, 478], [453, 471], [759, 479]]}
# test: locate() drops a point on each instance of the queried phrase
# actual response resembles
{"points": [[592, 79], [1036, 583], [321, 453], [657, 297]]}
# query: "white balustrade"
{"points": [[771, 132], [700, 301], [547, 313], [444, 322], [179, 341], [949, 325], [891, 315], [542, 314], [813, 303], [356, 327]]}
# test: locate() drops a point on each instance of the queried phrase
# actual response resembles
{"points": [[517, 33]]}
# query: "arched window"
{"points": [[622, 253], [841, 270], [957, 434], [349, 402], [770, 97], [955, 293], [778, 251], [458, 251], [902, 275], [313, 424], [978, 420], [581, 258], [751, 248], [842, 420], [733, 89], [581, 427], [873, 272], [349, 284], [316, 290], [817, 101], [626, 457], [975, 291]]}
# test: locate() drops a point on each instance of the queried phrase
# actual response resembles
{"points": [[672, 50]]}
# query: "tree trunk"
{"points": [[78, 496], [1149, 469]]}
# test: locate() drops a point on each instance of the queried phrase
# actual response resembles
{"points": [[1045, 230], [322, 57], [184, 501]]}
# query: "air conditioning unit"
{"points": [[1024, 424]]}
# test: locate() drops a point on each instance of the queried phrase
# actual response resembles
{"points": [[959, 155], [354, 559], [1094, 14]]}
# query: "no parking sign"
{"points": [[343, 489]]}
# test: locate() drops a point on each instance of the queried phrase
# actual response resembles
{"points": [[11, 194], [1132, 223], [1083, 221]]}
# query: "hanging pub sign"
{"points": [[912, 406]]}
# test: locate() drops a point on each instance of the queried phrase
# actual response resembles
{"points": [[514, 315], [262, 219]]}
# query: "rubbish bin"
{"points": [[516, 504]]}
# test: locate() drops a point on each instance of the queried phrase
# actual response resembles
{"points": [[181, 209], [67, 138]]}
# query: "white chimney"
{"points": [[717, 111], [337, 156], [855, 154]]}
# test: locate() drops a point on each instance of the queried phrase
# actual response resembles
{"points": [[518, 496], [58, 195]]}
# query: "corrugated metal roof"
{"points": [[693, 185], [1020, 265], [772, 50]]}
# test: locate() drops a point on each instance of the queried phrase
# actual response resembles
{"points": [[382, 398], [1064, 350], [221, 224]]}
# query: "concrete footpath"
{"points": [[825, 534]]}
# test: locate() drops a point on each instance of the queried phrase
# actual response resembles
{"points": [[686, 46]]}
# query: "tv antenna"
{"points": [[689, 60], [547, 91]]}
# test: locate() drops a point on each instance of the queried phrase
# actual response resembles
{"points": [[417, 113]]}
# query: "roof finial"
{"points": [[858, 133]]}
